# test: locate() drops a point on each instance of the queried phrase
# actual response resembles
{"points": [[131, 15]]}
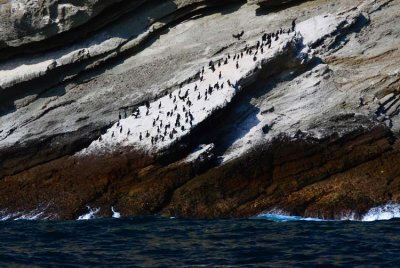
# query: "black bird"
{"points": [[129, 132], [210, 63], [148, 112], [112, 135], [264, 37], [222, 85], [119, 116], [226, 61], [237, 65], [229, 56], [254, 58], [220, 75], [120, 130], [262, 50], [140, 136], [229, 82], [258, 44], [195, 88], [241, 54], [159, 106], [147, 134]]}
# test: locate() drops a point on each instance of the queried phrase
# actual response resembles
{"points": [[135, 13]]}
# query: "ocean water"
{"points": [[267, 240]]}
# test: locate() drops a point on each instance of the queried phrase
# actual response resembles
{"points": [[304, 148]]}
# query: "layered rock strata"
{"points": [[124, 117]]}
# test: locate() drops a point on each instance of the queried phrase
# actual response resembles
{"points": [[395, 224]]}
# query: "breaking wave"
{"points": [[90, 215], [384, 212]]}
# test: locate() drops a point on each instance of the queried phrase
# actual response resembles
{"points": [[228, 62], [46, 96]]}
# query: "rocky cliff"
{"points": [[196, 108]]}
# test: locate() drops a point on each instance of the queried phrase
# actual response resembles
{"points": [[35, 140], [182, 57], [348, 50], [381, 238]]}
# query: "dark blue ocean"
{"points": [[163, 242]]}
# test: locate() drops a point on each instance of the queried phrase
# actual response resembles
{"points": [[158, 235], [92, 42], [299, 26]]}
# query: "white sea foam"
{"points": [[90, 215], [35, 215], [279, 215], [285, 218], [115, 213], [385, 212]]}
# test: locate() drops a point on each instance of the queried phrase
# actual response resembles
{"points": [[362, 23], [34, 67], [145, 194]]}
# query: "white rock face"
{"points": [[79, 92], [170, 117], [25, 21]]}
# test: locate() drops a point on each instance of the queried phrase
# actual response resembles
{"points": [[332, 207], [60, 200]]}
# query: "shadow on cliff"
{"points": [[266, 9]]}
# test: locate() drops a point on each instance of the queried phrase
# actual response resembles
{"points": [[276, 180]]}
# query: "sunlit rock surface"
{"points": [[122, 117]]}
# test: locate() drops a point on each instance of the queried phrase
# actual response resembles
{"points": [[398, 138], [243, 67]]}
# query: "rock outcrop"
{"points": [[115, 104]]}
